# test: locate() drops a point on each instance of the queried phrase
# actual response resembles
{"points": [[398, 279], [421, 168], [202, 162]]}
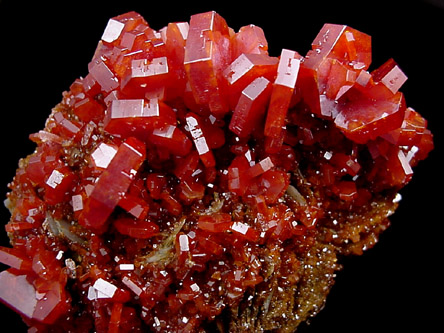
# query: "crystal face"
{"points": [[192, 181]]}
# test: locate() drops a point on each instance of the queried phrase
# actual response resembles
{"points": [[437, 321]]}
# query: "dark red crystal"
{"points": [[191, 181]]}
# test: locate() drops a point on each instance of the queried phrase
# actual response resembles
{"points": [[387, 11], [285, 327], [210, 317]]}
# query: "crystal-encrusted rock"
{"points": [[191, 181]]}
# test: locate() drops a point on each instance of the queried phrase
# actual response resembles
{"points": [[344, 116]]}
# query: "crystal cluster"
{"points": [[191, 181]]}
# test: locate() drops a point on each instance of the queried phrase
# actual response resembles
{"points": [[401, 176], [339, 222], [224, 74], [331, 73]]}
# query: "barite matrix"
{"points": [[191, 181]]}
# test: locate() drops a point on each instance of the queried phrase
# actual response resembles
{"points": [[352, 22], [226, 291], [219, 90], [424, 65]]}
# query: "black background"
{"points": [[393, 287]]}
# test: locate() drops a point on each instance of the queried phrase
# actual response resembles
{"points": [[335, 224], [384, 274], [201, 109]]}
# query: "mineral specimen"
{"points": [[192, 182]]}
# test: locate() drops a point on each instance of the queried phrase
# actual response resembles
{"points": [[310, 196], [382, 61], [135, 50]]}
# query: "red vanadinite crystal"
{"points": [[190, 172]]}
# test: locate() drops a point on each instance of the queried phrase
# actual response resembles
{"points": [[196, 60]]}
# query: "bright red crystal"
{"points": [[250, 107], [22, 296], [244, 70], [113, 183], [191, 181], [207, 54]]}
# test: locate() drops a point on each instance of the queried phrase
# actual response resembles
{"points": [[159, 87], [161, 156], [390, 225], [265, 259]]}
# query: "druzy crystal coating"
{"points": [[192, 182]]}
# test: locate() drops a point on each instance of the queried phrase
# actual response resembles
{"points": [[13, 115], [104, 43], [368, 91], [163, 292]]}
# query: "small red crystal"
{"points": [[200, 142], [366, 118], [136, 228], [244, 70], [113, 183], [250, 107], [21, 295], [283, 87]]}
